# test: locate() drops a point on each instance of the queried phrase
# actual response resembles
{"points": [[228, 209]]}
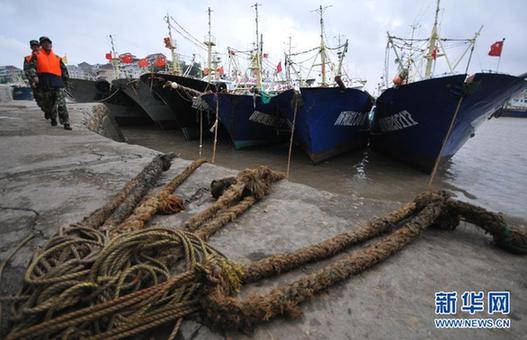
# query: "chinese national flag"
{"points": [[160, 62], [495, 49], [142, 63], [108, 56], [220, 70], [434, 53], [279, 67]]}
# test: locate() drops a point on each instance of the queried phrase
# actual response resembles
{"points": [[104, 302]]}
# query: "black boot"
{"points": [[67, 126], [46, 115], [53, 122]]}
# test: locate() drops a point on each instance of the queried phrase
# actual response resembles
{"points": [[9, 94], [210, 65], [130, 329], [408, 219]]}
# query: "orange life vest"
{"points": [[48, 63]]}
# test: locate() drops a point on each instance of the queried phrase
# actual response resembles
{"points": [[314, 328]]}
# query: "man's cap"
{"points": [[42, 39], [33, 42]]}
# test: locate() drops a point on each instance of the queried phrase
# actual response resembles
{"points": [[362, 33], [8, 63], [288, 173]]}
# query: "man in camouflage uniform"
{"points": [[49, 74], [35, 48]]}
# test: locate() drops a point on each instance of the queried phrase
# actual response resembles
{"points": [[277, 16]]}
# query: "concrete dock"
{"points": [[50, 177]]}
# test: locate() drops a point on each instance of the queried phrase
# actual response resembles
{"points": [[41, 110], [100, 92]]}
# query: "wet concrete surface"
{"points": [[50, 177]]}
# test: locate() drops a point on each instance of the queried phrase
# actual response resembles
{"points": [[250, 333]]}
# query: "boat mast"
{"points": [[432, 45], [257, 60], [341, 57], [287, 66], [322, 52], [471, 47], [209, 43], [409, 61], [175, 62], [115, 60]]}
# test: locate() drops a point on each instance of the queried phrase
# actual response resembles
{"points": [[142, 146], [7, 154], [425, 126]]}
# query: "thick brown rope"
{"points": [[121, 287], [225, 312], [134, 305], [159, 164], [255, 182], [163, 201], [278, 264], [55, 278], [135, 196]]}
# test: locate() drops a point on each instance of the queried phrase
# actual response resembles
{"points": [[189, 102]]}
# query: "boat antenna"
{"points": [[175, 62], [322, 52], [473, 44], [288, 66], [341, 57], [258, 57], [209, 43], [409, 61], [432, 45], [115, 59]]}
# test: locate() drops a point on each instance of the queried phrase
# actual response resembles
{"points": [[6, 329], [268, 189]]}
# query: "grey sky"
{"points": [[79, 29]]}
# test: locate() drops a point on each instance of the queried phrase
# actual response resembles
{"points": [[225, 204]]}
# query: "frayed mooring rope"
{"points": [[249, 182], [133, 282], [161, 202]]}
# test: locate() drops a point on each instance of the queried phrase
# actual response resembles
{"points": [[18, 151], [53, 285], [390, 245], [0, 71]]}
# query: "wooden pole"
{"points": [[295, 98], [216, 123]]}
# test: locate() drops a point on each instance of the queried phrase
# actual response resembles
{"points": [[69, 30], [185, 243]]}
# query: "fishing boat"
{"points": [[125, 110], [249, 111], [22, 92], [87, 90], [250, 120], [179, 97], [179, 100], [139, 91], [427, 121], [516, 107], [331, 118]]}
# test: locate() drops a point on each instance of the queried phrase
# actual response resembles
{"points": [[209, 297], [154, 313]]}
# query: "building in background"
{"points": [[11, 74]]}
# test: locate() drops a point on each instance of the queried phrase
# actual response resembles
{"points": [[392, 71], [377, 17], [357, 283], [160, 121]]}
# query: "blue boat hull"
{"points": [[513, 114], [411, 121], [330, 121], [248, 121], [22, 93]]}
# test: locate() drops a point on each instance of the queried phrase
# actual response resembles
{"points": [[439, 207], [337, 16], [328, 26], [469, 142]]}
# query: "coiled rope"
{"points": [[116, 287]]}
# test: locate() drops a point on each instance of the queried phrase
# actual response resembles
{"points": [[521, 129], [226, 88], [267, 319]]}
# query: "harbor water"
{"points": [[490, 170]]}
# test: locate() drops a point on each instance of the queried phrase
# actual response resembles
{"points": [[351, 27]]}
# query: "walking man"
{"points": [[35, 48], [50, 75]]}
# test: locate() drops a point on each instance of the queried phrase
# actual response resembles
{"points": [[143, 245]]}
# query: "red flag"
{"points": [[126, 59], [108, 56], [279, 67], [143, 63], [160, 61], [205, 71], [220, 70], [495, 49], [434, 53]]}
